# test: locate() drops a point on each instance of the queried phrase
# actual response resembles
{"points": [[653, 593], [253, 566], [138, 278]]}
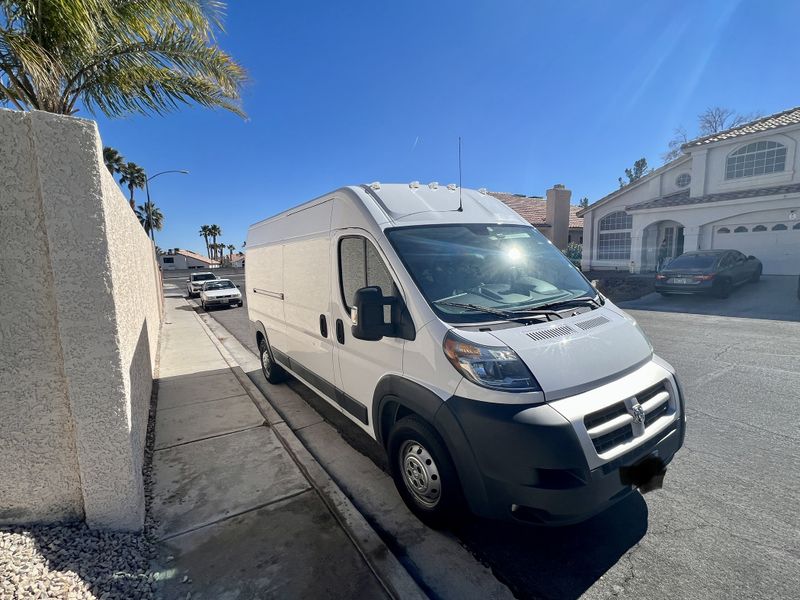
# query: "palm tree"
{"points": [[205, 231], [115, 57], [150, 219], [231, 248], [113, 160], [215, 231], [133, 176]]}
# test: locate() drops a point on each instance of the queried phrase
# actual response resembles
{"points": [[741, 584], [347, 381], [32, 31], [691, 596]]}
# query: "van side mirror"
{"points": [[367, 314]]}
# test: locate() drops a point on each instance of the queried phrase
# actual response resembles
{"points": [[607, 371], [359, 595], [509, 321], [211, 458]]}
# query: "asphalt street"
{"points": [[726, 523]]}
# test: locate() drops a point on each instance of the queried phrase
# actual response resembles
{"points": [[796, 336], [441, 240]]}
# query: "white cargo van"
{"points": [[440, 322]]}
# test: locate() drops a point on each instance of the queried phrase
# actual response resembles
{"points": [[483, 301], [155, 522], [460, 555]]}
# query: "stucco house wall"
{"points": [[85, 312]]}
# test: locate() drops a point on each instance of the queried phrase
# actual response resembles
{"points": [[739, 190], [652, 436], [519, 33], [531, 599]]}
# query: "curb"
{"points": [[388, 570]]}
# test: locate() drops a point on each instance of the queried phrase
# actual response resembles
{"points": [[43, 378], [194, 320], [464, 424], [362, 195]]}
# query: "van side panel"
{"points": [[306, 300], [264, 284]]}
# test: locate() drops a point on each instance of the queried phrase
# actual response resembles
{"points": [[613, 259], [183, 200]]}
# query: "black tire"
{"points": [[723, 288], [757, 275], [414, 444], [273, 372]]}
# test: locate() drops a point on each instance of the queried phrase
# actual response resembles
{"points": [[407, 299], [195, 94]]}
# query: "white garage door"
{"points": [[776, 244]]}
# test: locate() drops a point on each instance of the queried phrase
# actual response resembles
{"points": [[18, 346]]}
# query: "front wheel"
{"points": [[424, 473], [273, 372]]}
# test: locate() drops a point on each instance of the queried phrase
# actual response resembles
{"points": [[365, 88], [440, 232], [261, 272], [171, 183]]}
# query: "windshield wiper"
{"points": [[580, 300], [505, 314]]}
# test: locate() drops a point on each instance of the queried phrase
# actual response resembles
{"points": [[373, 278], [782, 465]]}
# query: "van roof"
{"points": [[402, 204], [407, 204]]}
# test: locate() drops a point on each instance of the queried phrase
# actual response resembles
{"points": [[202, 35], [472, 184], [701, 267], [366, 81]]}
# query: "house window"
{"points": [[756, 158], [614, 238], [683, 180], [723, 230], [779, 227], [740, 229], [760, 228], [168, 260]]}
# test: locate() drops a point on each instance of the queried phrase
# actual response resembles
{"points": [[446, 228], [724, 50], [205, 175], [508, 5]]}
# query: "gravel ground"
{"points": [[74, 562]]}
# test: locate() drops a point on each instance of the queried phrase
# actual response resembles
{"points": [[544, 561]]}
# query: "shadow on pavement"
{"points": [[558, 562], [774, 297]]}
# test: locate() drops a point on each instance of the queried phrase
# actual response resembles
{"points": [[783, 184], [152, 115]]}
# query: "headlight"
{"points": [[496, 367]]}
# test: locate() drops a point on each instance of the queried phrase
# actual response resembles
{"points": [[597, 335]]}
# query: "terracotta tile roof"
{"points": [[683, 198], [196, 256], [534, 209], [237, 256], [781, 119]]}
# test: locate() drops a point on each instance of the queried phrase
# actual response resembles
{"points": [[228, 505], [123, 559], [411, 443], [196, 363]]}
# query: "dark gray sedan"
{"points": [[715, 272]]}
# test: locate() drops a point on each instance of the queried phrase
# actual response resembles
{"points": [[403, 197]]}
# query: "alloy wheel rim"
{"points": [[420, 474]]}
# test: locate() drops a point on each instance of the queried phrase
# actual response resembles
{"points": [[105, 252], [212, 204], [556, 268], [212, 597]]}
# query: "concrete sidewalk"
{"points": [[237, 513]]}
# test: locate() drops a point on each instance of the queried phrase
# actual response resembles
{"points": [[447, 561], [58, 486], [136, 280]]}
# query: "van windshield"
{"points": [[498, 267]]}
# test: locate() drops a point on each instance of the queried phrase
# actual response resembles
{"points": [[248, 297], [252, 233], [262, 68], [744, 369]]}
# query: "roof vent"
{"points": [[483, 191], [452, 187], [375, 185], [434, 185], [414, 185]]}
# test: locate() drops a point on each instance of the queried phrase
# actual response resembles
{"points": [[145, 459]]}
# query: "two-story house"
{"points": [[737, 189]]}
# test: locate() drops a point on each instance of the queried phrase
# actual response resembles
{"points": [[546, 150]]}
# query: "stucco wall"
{"points": [[98, 327]]}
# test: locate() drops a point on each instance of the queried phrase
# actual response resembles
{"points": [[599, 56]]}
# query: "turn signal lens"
{"points": [[704, 277], [495, 367], [661, 277]]}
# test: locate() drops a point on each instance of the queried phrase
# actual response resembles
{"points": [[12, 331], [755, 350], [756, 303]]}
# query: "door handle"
{"points": [[340, 331], [323, 326]]}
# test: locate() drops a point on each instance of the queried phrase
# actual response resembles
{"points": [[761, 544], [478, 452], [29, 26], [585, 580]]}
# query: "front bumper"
{"points": [[702, 287], [536, 464], [223, 301]]}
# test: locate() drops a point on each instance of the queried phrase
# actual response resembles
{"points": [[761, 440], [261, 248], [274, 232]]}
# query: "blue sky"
{"points": [[541, 92]]}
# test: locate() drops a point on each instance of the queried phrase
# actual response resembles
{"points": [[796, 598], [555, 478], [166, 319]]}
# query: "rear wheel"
{"points": [[424, 473], [723, 288], [757, 275], [273, 372]]}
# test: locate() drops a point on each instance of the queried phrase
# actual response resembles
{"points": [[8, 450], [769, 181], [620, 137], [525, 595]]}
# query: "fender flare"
{"points": [[397, 391]]}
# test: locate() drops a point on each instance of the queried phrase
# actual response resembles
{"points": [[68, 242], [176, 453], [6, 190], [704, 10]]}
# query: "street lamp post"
{"points": [[149, 205]]}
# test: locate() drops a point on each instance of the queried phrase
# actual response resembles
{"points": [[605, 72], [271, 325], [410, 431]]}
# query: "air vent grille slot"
{"points": [[550, 334], [592, 323]]}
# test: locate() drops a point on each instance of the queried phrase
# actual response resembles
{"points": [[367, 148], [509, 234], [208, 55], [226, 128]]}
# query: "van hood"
{"points": [[580, 352]]}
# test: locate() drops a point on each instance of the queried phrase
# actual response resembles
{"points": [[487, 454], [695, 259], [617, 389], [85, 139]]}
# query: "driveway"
{"points": [[774, 297]]}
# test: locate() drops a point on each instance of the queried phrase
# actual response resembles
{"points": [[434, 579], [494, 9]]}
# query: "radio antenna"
{"points": [[460, 206]]}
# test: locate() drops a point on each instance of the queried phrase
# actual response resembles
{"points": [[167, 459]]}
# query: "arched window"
{"points": [[760, 228], [756, 158], [614, 236], [779, 227], [740, 229], [723, 230]]}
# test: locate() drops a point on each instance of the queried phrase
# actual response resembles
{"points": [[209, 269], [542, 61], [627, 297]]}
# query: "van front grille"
{"points": [[616, 424]]}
